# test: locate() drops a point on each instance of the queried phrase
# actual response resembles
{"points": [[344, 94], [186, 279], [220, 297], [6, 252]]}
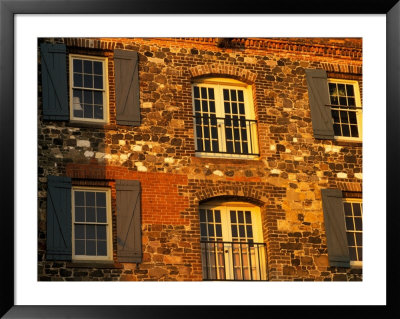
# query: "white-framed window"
{"points": [[346, 109], [91, 224], [224, 119], [88, 88], [232, 242], [353, 222]]}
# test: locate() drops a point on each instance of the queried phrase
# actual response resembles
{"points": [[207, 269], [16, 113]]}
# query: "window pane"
{"points": [[79, 198], [234, 108], [87, 66], [204, 105], [240, 216], [347, 209], [233, 217], [360, 257], [78, 80], [91, 247], [359, 239], [354, 130], [101, 248], [212, 106], [249, 230], [211, 230], [100, 199], [79, 214], [336, 129], [234, 231], [88, 81], [79, 247], [332, 89], [350, 238], [241, 231], [196, 92], [204, 93], [248, 217], [88, 111], [90, 232], [98, 112], [350, 90], [352, 252], [101, 215], [202, 215], [88, 97], [203, 230], [218, 230], [98, 82], [226, 94], [211, 93], [79, 231], [101, 232], [357, 209], [197, 105], [358, 223], [342, 101], [351, 101], [77, 65], [98, 68], [353, 117], [334, 100], [343, 117], [210, 216], [240, 96], [349, 223], [233, 95], [335, 116], [341, 90], [90, 198], [217, 216], [346, 130], [90, 214]]}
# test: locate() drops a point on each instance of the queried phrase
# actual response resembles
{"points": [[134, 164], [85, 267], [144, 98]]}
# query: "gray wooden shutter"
{"points": [[126, 65], [318, 95], [59, 242], [54, 81], [129, 228], [338, 251]]}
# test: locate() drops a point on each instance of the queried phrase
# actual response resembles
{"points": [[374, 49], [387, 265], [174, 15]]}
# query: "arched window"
{"points": [[232, 242], [224, 119]]}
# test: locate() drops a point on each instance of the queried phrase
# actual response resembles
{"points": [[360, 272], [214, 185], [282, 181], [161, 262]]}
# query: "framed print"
{"points": [[180, 156]]}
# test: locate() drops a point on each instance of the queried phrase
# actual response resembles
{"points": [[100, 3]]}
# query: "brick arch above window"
{"points": [[260, 195], [212, 70]]}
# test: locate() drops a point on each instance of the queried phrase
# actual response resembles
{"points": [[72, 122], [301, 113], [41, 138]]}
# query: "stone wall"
{"points": [[285, 181]]}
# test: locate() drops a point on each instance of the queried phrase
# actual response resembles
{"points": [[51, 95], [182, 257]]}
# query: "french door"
{"points": [[231, 243]]}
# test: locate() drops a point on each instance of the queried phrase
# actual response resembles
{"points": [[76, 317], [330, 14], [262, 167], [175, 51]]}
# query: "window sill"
{"points": [[94, 264], [348, 140], [226, 156], [74, 123]]}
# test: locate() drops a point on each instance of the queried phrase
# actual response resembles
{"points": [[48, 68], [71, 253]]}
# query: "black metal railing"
{"points": [[226, 135], [233, 260]]}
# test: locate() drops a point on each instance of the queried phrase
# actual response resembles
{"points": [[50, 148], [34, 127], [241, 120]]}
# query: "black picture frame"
{"points": [[8, 10]]}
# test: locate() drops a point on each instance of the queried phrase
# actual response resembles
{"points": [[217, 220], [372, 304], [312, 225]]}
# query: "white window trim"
{"points": [[357, 96], [258, 237], [109, 256], [354, 263], [105, 90], [219, 84]]}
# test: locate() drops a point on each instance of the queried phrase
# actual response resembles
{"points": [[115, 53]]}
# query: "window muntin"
{"points": [[88, 89], [224, 119], [345, 109], [91, 224], [231, 243], [353, 222]]}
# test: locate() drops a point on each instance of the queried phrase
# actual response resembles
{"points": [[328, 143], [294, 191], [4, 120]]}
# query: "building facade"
{"points": [[190, 159]]}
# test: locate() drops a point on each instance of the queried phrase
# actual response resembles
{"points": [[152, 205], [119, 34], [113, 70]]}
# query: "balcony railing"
{"points": [[226, 135], [233, 260]]}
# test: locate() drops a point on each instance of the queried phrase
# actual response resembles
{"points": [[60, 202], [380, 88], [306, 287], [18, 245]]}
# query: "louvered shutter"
{"points": [[338, 251], [59, 243], [129, 229], [318, 95], [54, 81], [126, 65]]}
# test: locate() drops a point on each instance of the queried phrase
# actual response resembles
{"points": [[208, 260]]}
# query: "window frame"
{"points": [[358, 105], [226, 232], [353, 263], [218, 84], [105, 89], [109, 256]]}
